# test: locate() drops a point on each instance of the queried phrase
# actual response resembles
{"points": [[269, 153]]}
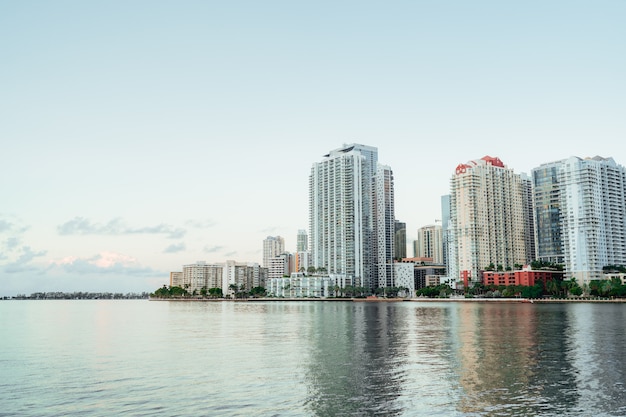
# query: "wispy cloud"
{"points": [[12, 225], [269, 230], [5, 225], [116, 226], [102, 263], [24, 261], [213, 249], [12, 243], [200, 224], [176, 247]]}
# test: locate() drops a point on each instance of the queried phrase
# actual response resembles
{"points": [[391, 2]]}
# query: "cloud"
{"points": [[176, 247], [213, 249], [23, 262], [200, 224], [116, 226], [12, 224], [233, 253], [12, 243], [102, 263], [5, 226]]}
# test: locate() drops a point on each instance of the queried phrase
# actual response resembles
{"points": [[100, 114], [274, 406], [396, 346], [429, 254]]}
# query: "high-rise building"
{"points": [[580, 207], [445, 222], [272, 247], [351, 217], [303, 256], [529, 218], [487, 219], [302, 242], [385, 227], [430, 243], [202, 275], [400, 241], [241, 275]]}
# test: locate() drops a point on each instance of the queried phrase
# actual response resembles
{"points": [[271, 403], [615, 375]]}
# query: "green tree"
{"points": [[553, 287], [215, 292], [234, 288], [258, 292]]}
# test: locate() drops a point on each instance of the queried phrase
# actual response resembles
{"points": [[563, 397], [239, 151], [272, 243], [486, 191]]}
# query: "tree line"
{"points": [[80, 295], [239, 291]]}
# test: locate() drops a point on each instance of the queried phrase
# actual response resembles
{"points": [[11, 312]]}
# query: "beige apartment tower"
{"points": [[488, 224]]}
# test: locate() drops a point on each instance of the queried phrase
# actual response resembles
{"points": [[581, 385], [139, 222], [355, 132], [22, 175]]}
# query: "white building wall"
{"points": [[272, 247], [593, 216], [404, 276], [300, 286]]}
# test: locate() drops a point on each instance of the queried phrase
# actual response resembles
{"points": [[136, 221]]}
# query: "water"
{"points": [[142, 358]]}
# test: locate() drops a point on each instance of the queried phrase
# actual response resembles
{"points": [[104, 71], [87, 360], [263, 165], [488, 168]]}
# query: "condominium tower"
{"points": [[351, 215], [580, 207], [272, 247], [400, 240], [302, 242], [487, 219], [430, 243]]}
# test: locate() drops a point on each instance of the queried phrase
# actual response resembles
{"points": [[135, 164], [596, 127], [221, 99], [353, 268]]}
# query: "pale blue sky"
{"points": [[141, 136]]}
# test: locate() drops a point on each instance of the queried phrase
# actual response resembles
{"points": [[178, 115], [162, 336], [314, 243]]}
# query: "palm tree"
{"points": [[552, 287], [234, 288]]}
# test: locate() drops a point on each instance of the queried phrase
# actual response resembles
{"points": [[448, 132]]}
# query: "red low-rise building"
{"points": [[526, 276]]}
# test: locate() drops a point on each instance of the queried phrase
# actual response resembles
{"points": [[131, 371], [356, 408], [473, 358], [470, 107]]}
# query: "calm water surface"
{"points": [[106, 358]]}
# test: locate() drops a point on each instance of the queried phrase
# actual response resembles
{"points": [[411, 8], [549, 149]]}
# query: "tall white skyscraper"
{"points": [[385, 232], [351, 217], [272, 247], [487, 219], [580, 206]]}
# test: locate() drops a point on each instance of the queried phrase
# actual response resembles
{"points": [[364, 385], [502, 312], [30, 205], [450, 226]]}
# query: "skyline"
{"points": [[141, 137]]}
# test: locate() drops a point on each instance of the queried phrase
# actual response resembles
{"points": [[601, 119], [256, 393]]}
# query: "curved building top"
{"points": [[485, 160]]}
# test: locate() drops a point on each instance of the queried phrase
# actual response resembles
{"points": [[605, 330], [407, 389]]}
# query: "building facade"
{"points": [[176, 279], [487, 223], [348, 194], [580, 206], [445, 223], [272, 247], [429, 243], [302, 241], [202, 275], [400, 241], [299, 285], [405, 277], [525, 276], [385, 227], [280, 266]]}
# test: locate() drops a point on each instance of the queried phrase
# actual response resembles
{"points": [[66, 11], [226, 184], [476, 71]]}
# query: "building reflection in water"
{"points": [[595, 346], [541, 359], [465, 359], [356, 356]]}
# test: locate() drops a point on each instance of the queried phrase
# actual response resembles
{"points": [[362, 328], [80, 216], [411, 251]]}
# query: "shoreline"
{"points": [[416, 300]]}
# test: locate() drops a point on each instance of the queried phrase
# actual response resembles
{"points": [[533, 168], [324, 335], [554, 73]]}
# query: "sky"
{"points": [[140, 136]]}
